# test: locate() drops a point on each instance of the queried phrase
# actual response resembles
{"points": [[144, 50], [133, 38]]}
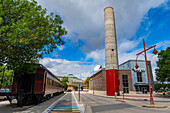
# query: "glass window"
{"points": [[101, 80], [125, 84], [139, 76]]}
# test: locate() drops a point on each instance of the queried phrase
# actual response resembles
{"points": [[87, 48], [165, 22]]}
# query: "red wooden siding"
{"points": [[39, 84], [14, 84]]}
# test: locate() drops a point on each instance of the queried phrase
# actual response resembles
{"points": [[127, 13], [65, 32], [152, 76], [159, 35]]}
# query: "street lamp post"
{"points": [[154, 52], [123, 92]]}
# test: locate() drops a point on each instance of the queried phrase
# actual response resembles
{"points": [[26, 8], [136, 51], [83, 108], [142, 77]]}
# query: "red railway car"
{"points": [[34, 88]]}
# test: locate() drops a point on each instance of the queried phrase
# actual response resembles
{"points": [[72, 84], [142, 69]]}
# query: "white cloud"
{"points": [[84, 19], [129, 14], [61, 47], [163, 44], [63, 67], [98, 56], [128, 45], [153, 58]]}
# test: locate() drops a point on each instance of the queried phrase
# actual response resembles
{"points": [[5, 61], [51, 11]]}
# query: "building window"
{"points": [[97, 81], [100, 80], [139, 76], [125, 84], [91, 82]]}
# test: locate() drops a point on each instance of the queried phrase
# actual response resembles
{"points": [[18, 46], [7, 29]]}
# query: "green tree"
{"points": [[6, 77], [65, 81], [168, 85], [157, 86], [87, 82], [163, 64], [27, 32]]}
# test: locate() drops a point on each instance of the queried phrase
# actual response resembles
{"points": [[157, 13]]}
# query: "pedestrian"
{"points": [[164, 93], [167, 94]]}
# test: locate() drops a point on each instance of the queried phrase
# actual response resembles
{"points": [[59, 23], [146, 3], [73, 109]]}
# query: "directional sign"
{"points": [[79, 85]]}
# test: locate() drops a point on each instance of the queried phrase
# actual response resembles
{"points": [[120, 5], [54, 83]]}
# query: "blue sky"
{"points": [[84, 21]]}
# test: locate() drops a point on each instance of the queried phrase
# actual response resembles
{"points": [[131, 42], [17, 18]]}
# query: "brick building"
{"points": [[131, 80], [73, 82], [99, 80]]}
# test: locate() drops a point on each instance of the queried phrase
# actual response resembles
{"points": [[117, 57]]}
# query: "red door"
{"points": [[39, 82]]}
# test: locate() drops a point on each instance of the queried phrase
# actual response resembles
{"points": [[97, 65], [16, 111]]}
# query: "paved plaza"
{"points": [[106, 104]]}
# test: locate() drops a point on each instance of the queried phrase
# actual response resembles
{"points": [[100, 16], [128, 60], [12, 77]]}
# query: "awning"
{"points": [[141, 84]]}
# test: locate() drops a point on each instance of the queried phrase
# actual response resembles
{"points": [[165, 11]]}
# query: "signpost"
{"points": [[79, 87], [123, 92]]}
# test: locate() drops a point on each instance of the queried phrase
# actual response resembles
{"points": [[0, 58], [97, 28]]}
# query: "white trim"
{"points": [[75, 99], [80, 106]]}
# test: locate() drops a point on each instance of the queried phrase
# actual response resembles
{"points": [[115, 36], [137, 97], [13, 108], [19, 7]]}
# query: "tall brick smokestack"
{"points": [[111, 58]]}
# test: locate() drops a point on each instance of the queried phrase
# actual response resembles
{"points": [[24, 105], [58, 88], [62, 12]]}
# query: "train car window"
{"points": [[48, 81], [39, 76]]}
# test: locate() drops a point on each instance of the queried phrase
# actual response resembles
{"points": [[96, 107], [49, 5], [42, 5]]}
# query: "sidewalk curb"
{"points": [[154, 106], [135, 99], [144, 99], [80, 106], [121, 100]]}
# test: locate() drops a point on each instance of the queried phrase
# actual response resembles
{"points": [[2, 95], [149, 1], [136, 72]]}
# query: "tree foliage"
{"points": [[157, 86], [163, 64], [27, 32], [87, 82], [65, 81], [6, 76]]}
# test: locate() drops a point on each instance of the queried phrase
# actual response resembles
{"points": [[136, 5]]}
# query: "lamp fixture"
{"points": [[155, 51], [136, 66]]}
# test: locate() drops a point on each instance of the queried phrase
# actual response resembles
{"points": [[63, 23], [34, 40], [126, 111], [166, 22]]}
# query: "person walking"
{"points": [[167, 94], [164, 93]]}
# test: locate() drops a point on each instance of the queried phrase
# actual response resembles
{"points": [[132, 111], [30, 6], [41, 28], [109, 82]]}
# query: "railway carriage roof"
{"points": [[41, 67]]}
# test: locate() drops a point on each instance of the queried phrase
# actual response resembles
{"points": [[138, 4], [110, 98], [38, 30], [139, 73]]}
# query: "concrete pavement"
{"points": [[109, 105], [159, 99], [6, 107]]}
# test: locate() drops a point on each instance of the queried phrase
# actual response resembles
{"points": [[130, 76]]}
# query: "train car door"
{"points": [[28, 83], [39, 82], [16, 82]]}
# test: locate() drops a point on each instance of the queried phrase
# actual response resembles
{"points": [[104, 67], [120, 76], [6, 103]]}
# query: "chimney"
{"points": [[111, 60]]}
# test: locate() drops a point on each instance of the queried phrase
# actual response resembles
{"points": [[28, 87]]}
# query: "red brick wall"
{"points": [[102, 87], [97, 81], [128, 73]]}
